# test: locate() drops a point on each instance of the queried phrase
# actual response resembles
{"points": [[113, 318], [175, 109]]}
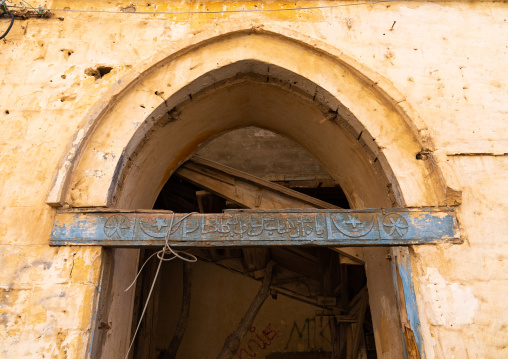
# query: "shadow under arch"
{"points": [[352, 120]]}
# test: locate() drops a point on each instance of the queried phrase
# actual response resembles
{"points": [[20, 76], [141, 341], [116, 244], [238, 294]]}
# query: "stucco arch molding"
{"points": [[154, 87]]}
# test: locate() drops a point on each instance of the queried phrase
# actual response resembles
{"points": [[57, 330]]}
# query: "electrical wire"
{"points": [[39, 11], [12, 20], [218, 11]]}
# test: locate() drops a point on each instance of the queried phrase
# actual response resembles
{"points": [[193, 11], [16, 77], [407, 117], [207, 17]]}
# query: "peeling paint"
{"points": [[448, 304], [368, 227]]}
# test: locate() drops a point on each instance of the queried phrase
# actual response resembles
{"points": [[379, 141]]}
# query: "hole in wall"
{"points": [[104, 70], [422, 156], [98, 72], [67, 52], [71, 97]]}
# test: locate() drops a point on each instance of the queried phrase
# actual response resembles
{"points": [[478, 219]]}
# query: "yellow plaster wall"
{"points": [[446, 58]]}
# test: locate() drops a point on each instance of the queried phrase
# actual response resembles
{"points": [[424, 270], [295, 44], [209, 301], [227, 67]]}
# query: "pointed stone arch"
{"points": [[351, 119], [365, 102]]}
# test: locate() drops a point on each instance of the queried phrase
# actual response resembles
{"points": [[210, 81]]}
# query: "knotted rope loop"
{"points": [[166, 254]]}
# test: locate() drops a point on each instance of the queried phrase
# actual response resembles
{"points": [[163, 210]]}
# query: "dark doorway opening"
{"points": [[317, 295], [311, 276]]}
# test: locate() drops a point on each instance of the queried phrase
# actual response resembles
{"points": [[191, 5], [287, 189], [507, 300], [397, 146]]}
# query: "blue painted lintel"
{"points": [[378, 227]]}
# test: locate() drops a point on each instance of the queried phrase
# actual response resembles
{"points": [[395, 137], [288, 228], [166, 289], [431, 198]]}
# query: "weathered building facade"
{"points": [[402, 103]]}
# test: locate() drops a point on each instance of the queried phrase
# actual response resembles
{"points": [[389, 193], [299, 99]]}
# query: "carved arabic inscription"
{"points": [[250, 226], [257, 227]]}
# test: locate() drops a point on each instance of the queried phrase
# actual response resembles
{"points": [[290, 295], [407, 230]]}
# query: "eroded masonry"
{"points": [[318, 179]]}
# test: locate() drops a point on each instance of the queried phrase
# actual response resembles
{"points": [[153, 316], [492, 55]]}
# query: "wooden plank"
{"points": [[233, 341], [295, 263], [253, 192], [376, 227], [409, 310], [358, 329], [243, 188], [183, 320], [255, 258], [299, 297], [328, 261]]}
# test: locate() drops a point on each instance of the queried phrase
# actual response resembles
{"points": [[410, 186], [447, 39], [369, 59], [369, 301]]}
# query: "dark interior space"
{"points": [[314, 275]]}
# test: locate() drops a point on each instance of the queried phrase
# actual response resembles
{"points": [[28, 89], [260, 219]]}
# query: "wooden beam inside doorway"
{"points": [[250, 191]]}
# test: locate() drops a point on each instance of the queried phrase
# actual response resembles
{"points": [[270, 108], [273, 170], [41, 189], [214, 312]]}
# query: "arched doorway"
{"points": [[317, 295], [358, 128]]}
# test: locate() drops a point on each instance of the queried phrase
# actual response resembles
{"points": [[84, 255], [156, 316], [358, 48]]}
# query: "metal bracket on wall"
{"points": [[23, 13]]}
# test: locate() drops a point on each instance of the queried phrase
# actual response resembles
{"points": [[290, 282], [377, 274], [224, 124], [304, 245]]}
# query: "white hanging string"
{"points": [[166, 250]]}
